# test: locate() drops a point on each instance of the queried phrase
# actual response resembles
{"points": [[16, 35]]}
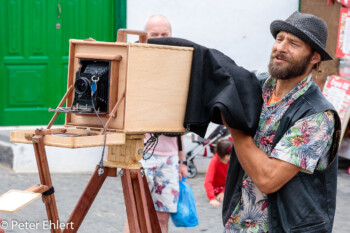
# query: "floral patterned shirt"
{"points": [[306, 144]]}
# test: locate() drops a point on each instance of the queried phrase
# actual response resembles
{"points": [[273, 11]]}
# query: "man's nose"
{"points": [[282, 46]]}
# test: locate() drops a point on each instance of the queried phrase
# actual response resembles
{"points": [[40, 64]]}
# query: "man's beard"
{"points": [[294, 68]]}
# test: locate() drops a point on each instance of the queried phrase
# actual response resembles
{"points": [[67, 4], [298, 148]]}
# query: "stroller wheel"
{"points": [[192, 170]]}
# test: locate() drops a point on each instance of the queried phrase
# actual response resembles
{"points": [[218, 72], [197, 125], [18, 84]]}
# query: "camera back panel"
{"points": [[148, 84]]}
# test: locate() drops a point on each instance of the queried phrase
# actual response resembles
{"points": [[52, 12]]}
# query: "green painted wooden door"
{"points": [[34, 47]]}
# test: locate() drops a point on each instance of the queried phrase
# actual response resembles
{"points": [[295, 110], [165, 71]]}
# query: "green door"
{"points": [[34, 48]]}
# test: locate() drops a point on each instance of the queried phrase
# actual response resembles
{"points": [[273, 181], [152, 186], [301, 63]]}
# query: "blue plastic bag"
{"points": [[186, 215]]}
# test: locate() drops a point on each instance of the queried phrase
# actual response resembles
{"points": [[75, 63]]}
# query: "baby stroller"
{"points": [[204, 144]]}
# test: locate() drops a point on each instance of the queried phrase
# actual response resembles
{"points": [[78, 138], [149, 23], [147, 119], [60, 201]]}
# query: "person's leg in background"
{"points": [[163, 218]]}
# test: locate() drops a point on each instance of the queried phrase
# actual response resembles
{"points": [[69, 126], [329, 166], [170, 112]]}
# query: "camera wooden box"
{"points": [[150, 82]]}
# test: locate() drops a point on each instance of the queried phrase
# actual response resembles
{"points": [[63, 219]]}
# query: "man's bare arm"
{"points": [[269, 174]]}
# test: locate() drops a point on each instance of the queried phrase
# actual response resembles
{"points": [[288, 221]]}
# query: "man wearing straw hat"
{"points": [[289, 175]]}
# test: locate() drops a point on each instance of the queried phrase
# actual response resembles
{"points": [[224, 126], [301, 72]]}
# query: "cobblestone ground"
{"points": [[107, 214]]}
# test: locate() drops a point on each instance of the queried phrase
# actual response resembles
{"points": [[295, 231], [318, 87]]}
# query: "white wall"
{"points": [[239, 29]]}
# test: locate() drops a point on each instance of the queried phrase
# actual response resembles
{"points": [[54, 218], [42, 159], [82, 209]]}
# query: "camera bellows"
{"points": [[92, 72]]}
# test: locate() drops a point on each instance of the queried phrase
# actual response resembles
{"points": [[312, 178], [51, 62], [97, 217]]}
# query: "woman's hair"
{"points": [[223, 147]]}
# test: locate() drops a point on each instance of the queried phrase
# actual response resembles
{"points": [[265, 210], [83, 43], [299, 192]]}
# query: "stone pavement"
{"points": [[107, 214]]}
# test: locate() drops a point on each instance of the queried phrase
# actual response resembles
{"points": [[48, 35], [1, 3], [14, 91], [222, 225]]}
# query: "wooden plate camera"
{"points": [[140, 88]]}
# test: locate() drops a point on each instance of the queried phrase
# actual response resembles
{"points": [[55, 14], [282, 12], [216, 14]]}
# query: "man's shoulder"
{"points": [[316, 100]]}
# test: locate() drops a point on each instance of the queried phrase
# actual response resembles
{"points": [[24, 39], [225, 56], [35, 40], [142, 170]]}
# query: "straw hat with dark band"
{"points": [[309, 28]]}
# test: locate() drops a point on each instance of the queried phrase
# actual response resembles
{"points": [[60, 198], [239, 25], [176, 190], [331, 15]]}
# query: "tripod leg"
{"points": [[86, 199], [130, 204], [140, 209], [45, 179], [141, 201], [150, 206]]}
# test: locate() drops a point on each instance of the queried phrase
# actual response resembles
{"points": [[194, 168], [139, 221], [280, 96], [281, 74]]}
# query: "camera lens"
{"points": [[81, 85]]}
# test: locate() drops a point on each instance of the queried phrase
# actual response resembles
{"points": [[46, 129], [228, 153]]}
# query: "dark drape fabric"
{"points": [[217, 85]]}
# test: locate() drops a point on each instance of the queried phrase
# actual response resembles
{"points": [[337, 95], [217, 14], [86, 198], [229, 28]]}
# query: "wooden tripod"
{"points": [[140, 209]]}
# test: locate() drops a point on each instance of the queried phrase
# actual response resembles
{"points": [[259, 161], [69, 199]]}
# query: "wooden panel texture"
{"points": [[157, 88], [72, 138]]}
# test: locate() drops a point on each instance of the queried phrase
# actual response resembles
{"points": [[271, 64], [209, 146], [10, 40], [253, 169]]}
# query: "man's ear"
{"points": [[316, 58]]}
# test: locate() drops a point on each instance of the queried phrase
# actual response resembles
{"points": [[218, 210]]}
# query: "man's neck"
{"points": [[283, 87]]}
